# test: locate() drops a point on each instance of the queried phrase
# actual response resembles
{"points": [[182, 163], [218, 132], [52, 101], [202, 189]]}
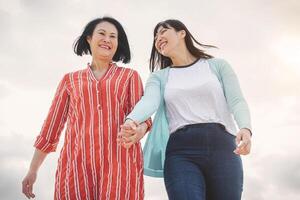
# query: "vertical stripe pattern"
{"points": [[91, 165]]}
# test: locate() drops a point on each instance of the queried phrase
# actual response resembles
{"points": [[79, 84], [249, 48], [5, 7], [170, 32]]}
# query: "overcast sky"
{"points": [[260, 38]]}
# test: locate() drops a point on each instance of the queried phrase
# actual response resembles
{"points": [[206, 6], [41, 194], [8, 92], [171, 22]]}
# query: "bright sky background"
{"points": [[260, 38]]}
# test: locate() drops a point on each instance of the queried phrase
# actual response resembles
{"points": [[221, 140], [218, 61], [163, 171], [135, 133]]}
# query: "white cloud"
{"points": [[36, 50]]}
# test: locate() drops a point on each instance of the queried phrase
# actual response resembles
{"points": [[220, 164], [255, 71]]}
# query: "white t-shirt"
{"points": [[193, 94]]}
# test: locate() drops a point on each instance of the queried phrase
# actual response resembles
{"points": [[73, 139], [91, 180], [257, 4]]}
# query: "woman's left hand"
{"points": [[243, 142]]}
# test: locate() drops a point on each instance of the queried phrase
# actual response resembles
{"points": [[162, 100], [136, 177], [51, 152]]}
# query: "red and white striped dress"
{"points": [[92, 165]]}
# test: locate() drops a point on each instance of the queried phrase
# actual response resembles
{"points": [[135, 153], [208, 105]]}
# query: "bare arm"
{"points": [[30, 178], [37, 159], [48, 138]]}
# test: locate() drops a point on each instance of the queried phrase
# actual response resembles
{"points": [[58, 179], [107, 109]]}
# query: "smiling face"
{"points": [[168, 40], [104, 41]]}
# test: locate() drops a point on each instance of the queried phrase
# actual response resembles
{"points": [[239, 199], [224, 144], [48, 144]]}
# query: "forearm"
{"points": [[144, 127], [143, 109], [37, 159], [241, 115], [149, 103]]}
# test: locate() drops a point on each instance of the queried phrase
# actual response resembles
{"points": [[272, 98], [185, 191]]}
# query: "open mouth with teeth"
{"points": [[103, 46]]}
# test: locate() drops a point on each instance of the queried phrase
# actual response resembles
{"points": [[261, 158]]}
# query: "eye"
{"points": [[113, 36], [101, 33], [161, 32]]}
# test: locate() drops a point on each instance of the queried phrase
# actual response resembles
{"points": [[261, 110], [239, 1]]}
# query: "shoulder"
{"points": [[127, 71], [217, 62], [160, 73], [220, 66], [73, 75]]}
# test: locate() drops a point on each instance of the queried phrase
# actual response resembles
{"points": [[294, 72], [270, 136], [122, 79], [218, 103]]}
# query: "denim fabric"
{"points": [[200, 164]]}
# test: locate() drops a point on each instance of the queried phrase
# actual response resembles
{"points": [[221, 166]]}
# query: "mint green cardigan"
{"points": [[153, 101]]}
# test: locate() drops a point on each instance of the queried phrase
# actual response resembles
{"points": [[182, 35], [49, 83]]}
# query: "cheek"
{"points": [[93, 44], [94, 41], [115, 45], [156, 46], [172, 43]]}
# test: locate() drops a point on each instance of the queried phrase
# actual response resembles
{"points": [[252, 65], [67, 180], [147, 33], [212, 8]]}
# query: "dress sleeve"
{"points": [[48, 138], [135, 94], [234, 96]]}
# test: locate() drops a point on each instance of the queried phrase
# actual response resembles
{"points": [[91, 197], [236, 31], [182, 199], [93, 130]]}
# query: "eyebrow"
{"points": [[163, 28], [113, 33]]}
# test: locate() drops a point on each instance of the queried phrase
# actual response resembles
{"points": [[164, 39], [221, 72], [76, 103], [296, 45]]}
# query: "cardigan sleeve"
{"points": [[48, 138], [135, 93], [149, 102], [234, 97]]}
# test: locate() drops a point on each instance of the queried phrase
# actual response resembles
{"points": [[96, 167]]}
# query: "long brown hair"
{"points": [[158, 61]]}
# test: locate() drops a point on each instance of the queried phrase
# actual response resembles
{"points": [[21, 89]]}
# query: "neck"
{"points": [[100, 65], [182, 57]]}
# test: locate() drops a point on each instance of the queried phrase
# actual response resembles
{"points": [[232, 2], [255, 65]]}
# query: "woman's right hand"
{"points": [[27, 184]]}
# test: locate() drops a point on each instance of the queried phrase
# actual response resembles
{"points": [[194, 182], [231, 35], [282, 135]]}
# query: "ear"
{"points": [[88, 39], [182, 33]]}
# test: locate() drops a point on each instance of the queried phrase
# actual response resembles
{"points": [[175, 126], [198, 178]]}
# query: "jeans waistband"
{"points": [[201, 125]]}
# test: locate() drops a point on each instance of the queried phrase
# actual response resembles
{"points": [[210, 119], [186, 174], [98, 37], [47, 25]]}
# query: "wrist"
{"points": [[247, 130], [143, 128], [131, 120], [149, 124], [33, 170], [128, 120]]}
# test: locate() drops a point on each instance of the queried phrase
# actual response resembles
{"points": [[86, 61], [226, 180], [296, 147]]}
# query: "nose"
{"points": [[159, 38], [106, 39]]}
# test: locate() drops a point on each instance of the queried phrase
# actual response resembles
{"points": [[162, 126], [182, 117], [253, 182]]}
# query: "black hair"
{"points": [[158, 61], [82, 47]]}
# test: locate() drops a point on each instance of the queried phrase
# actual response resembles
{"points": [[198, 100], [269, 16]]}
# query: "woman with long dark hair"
{"points": [[194, 143], [94, 101]]}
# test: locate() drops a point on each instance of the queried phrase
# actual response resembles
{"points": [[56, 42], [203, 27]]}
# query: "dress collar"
{"points": [[111, 66]]}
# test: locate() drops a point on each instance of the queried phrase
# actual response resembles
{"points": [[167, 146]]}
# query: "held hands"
{"points": [[131, 133], [27, 184], [243, 142]]}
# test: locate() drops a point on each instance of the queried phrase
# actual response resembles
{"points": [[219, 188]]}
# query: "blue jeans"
{"points": [[200, 164]]}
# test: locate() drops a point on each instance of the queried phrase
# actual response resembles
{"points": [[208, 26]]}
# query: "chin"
{"points": [[105, 54], [164, 53]]}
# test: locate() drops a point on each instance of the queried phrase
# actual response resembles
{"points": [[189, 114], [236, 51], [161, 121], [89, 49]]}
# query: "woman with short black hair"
{"points": [[94, 102]]}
